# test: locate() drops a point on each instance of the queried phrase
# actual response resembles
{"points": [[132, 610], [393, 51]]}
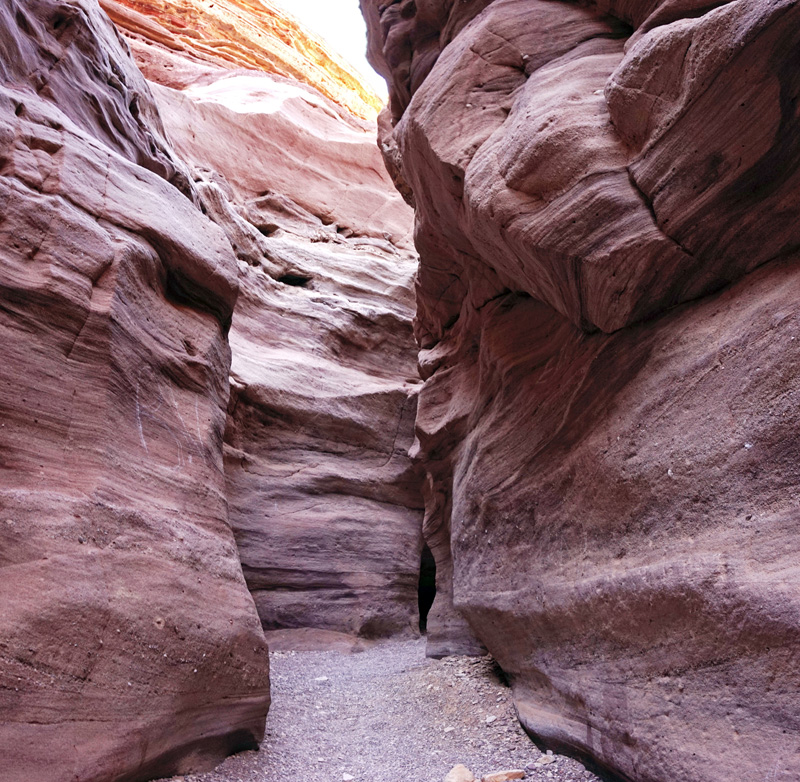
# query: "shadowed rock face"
{"points": [[324, 500], [129, 644], [611, 478], [323, 497]]}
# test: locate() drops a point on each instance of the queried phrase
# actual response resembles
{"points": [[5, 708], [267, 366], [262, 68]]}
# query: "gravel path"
{"points": [[388, 714]]}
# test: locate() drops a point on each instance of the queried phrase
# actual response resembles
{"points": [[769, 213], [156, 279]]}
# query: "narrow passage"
{"points": [[388, 714]]}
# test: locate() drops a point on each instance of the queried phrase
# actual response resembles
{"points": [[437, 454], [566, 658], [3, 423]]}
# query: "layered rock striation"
{"points": [[252, 34], [130, 646], [323, 496], [148, 228], [324, 499], [606, 199]]}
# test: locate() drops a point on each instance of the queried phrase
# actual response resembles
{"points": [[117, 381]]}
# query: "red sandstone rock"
{"points": [[129, 645], [621, 524], [272, 138], [251, 34], [503, 149], [615, 508], [324, 500]]}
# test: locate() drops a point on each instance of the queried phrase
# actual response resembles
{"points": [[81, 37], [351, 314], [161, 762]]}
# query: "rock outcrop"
{"points": [[607, 197], [324, 499], [252, 34], [129, 644]]}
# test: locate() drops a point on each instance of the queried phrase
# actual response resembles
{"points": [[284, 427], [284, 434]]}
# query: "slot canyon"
{"points": [[355, 440]]}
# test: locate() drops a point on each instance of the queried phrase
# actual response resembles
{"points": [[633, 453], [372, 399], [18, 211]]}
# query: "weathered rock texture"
{"points": [[252, 34], [129, 644], [614, 476], [324, 500]]}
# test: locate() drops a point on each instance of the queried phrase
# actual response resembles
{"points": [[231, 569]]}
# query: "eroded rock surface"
{"points": [[323, 496], [129, 644], [611, 478], [252, 34]]}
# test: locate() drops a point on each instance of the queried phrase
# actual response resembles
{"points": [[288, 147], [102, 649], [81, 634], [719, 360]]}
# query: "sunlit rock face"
{"points": [[130, 647], [606, 201], [252, 34], [324, 499]]}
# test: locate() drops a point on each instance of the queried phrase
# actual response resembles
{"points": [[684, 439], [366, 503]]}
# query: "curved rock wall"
{"points": [[610, 442], [324, 499], [129, 644]]}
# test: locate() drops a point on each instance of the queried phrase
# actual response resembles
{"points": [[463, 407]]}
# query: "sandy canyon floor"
{"points": [[388, 714]]}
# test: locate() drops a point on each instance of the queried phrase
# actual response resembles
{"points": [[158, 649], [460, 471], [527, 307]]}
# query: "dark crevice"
{"points": [[182, 290], [427, 586], [297, 280], [499, 674], [648, 204]]}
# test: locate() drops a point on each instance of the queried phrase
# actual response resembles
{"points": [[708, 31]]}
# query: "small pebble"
{"points": [[459, 773], [504, 776]]}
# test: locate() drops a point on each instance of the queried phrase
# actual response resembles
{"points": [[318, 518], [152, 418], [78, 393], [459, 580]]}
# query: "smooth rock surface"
{"points": [[614, 508], [503, 145], [324, 499], [129, 644], [272, 139], [622, 539]]}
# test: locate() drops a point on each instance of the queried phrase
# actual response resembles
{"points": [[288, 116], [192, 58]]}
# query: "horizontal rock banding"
{"points": [[252, 34]]}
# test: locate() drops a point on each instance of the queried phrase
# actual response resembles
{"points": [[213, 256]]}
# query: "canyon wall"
{"points": [[324, 500], [606, 200], [129, 644]]}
